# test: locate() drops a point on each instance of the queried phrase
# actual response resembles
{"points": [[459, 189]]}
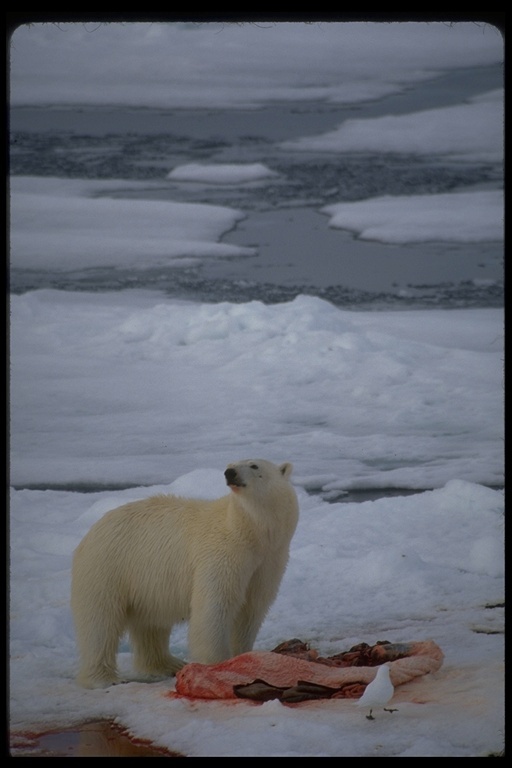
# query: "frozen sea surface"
{"points": [[159, 329], [294, 249]]}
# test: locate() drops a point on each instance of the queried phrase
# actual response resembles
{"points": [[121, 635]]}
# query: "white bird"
{"points": [[378, 692]]}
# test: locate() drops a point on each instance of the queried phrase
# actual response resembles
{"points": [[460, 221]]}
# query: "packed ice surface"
{"points": [[221, 173], [120, 389], [132, 387], [133, 390], [223, 64], [428, 566]]}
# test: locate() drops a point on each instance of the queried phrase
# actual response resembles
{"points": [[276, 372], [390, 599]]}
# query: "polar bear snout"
{"points": [[233, 478]]}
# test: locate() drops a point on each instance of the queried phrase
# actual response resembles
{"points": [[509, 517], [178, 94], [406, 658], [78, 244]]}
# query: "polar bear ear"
{"points": [[286, 469]]}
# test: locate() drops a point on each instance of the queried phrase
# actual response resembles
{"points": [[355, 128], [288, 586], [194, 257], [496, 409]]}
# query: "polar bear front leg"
{"points": [[208, 634], [214, 606], [261, 593], [151, 650]]}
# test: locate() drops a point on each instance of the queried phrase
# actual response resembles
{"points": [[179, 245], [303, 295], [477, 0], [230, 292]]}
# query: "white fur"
{"points": [[150, 564]]}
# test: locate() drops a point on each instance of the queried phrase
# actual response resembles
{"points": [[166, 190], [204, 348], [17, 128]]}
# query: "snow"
{"points": [[423, 218], [63, 213], [355, 399], [142, 233], [239, 65], [132, 393], [465, 131], [407, 568], [221, 173]]}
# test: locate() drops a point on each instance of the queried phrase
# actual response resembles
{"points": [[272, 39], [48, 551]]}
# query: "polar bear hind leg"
{"points": [[98, 651]]}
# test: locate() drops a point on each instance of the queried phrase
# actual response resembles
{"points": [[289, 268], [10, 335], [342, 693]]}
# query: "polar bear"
{"points": [[150, 564]]}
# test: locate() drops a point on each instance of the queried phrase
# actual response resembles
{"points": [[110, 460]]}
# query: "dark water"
{"points": [[100, 738], [295, 250]]}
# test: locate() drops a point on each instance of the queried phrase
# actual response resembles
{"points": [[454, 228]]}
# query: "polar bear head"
{"points": [[264, 491], [251, 472]]}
